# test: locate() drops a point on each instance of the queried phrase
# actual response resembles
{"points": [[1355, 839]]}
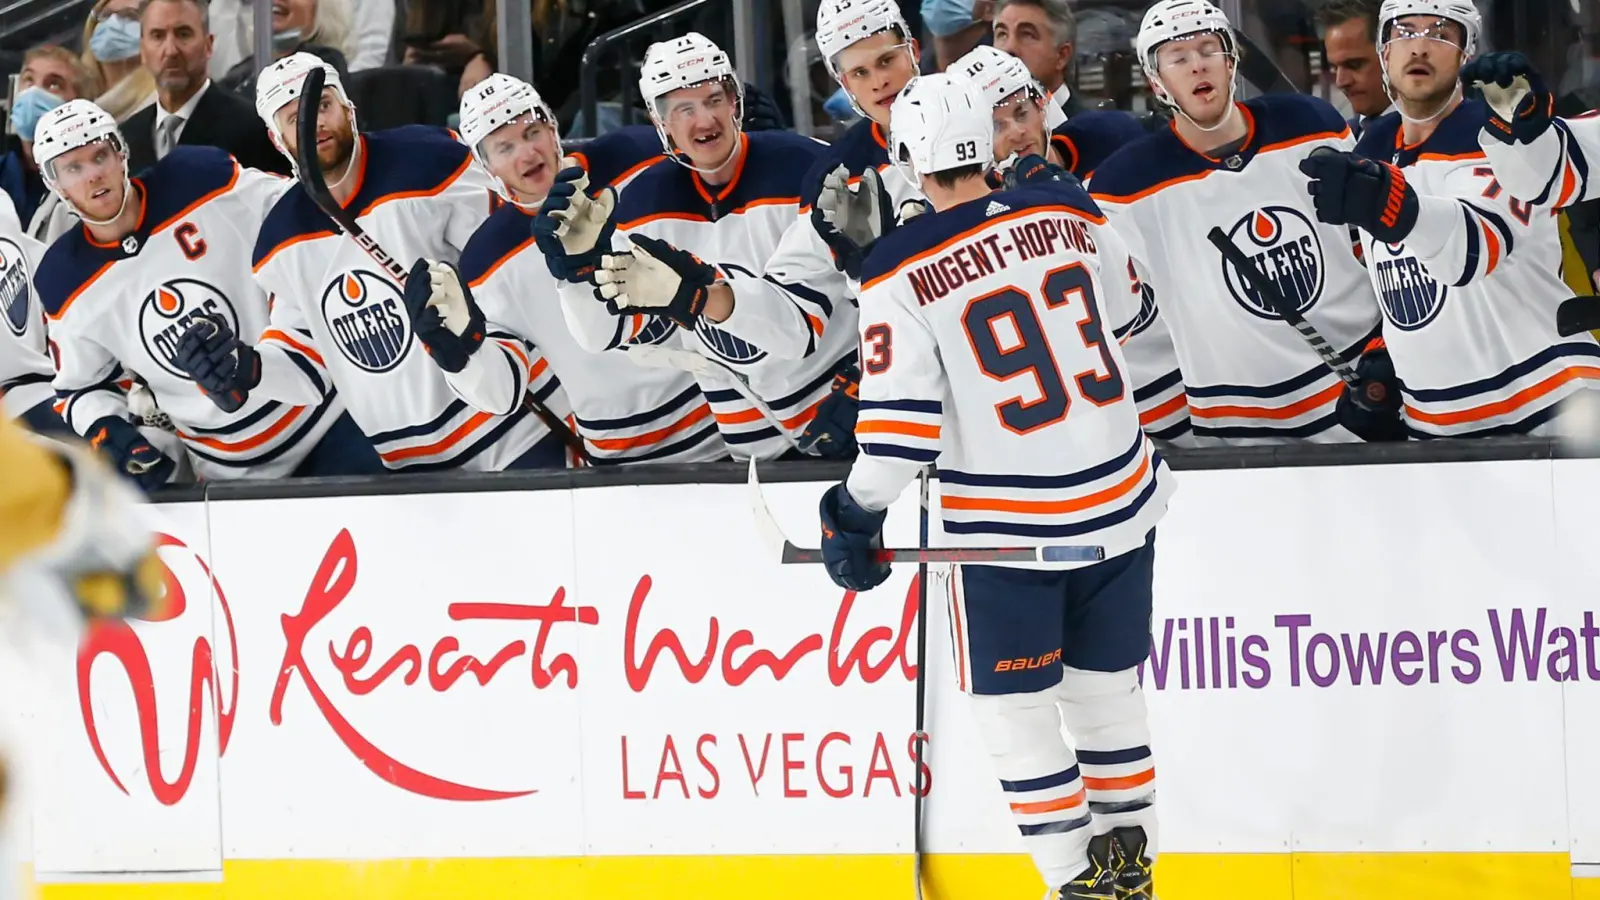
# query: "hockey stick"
{"points": [[657, 356], [920, 738], [1577, 314], [1281, 305], [316, 187], [790, 554]]}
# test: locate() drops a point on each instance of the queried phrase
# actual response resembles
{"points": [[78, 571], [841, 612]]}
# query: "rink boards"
{"points": [[1366, 682]]}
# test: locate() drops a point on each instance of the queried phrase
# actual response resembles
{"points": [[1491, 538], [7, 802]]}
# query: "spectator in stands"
{"points": [[1041, 33], [111, 51], [51, 75], [319, 27], [191, 109], [1349, 41], [450, 34], [371, 33], [957, 26]]}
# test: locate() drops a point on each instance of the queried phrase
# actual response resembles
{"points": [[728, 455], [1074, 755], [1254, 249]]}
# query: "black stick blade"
{"points": [[305, 148], [1577, 314]]}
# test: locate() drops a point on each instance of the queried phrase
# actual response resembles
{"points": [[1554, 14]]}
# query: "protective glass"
{"points": [[1018, 117], [1442, 30], [532, 129], [1175, 57], [678, 111], [83, 165]]}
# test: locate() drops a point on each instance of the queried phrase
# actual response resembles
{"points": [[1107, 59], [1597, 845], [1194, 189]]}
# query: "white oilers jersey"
{"points": [[1469, 299], [339, 318], [1153, 368], [1249, 377], [624, 412], [1557, 169], [25, 368], [987, 347], [122, 308], [737, 227]]}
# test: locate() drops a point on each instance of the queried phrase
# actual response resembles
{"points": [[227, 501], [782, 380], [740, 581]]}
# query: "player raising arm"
{"points": [[624, 412], [1535, 156], [1019, 106], [154, 255], [1248, 375], [988, 350], [1468, 276], [719, 204], [339, 318]]}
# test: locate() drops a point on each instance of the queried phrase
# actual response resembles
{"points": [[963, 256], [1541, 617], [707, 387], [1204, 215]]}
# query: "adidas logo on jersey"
{"points": [[995, 208]]}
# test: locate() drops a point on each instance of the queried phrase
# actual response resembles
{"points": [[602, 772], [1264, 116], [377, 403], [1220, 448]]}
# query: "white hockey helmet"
{"points": [[841, 23], [940, 122], [279, 85], [1171, 20], [997, 74], [1462, 12], [681, 63], [74, 124], [496, 101]]}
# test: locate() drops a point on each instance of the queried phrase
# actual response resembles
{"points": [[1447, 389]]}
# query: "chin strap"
{"points": [[127, 191]]}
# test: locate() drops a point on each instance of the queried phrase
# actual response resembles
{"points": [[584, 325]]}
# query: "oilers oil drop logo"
{"points": [[167, 311], [367, 318], [1285, 247], [16, 291], [1409, 296]]}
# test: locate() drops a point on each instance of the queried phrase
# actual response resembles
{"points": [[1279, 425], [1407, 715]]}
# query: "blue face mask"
{"points": [[29, 107], [115, 40]]}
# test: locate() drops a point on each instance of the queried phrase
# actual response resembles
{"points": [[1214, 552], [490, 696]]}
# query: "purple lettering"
{"points": [[1399, 657], [1293, 624]]}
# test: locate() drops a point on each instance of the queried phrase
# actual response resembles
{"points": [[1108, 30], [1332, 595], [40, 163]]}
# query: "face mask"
{"points": [[115, 40], [29, 107]]}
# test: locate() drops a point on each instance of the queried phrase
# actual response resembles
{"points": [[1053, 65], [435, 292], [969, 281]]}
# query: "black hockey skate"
{"points": [[1098, 881], [1135, 872]]}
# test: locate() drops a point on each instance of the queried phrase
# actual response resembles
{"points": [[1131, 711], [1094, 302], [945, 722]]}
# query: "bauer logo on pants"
{"points": [[367, 318], [1410, 297], [15, 291], [1284, 245], [169, 310]]}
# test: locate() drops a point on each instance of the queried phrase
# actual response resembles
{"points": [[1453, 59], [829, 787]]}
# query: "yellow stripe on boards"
{"points": [[1210, 876]]}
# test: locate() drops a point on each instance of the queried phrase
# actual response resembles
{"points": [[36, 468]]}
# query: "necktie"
{"points": [[167, 135]]}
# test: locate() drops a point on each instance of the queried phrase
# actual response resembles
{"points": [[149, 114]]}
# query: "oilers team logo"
{"points": [[367, 317], [1286, 248], [16, 293], [1147, 309], [1410, 297], [168, 310], [733, 350]]}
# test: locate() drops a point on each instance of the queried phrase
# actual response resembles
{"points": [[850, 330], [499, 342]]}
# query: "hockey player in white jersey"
{"points": [[687, 227], [624, 412], [25, 367], [1022, 138], [1468, 276], [154, 255], [339, 319], [1248, 375], [989, 350], [1536, 157]]}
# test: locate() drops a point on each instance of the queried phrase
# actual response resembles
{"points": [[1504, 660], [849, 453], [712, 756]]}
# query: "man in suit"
{"points": [[175, 45], [1350, 42]]}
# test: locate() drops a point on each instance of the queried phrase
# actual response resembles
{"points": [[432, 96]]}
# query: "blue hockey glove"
{"points": [[1520, 107], [1352, 190], [831, 434], [851, 538], [224, 367], [1371, 410], [655, 279], [851, 222], [1033, 169], [761, 112], [443, 314], [130, 453], [573, 229]]}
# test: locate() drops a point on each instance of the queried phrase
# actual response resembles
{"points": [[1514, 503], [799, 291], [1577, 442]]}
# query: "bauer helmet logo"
{"points": [[1284, 246], [170, 308], [15, 293], [366, 315]]}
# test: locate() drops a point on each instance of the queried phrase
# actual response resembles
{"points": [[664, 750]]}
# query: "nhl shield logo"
{"points": [[16, 293], [366, 315], [1286, 248], [167, 312], [1410, 297]]}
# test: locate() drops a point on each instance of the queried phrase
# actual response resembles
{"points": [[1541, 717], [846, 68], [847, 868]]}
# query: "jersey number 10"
{"points": [[1031, 354]]}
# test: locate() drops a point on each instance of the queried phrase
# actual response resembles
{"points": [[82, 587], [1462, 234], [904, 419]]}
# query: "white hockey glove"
{"points": [[851, 221], [572, 228], [443, 314], [655, 278]]}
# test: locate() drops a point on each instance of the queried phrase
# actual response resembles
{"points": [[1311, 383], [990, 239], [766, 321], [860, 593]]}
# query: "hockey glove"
{"points": [[224, 367], [761, 112], [447, 321], [850, 222], [656, 278], [1520, 107], [1033, 169], [1352, 190], [831, 434], [1371, 410], [130, 453], [573, 229], [851, 538]]}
